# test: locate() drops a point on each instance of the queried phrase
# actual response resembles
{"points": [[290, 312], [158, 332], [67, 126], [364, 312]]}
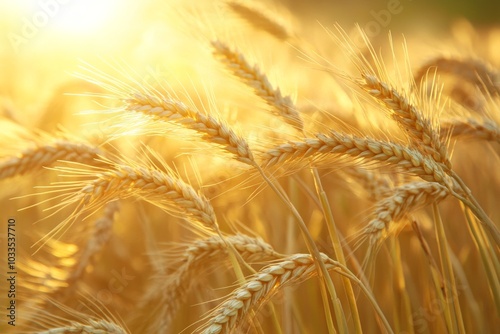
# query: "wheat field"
{"points": [[242, 167]]}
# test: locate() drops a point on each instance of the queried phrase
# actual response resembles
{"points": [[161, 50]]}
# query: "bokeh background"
{"points": [[43, 43]]}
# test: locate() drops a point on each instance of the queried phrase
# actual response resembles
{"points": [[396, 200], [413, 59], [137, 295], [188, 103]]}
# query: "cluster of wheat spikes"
{"points": [[373, 212]]}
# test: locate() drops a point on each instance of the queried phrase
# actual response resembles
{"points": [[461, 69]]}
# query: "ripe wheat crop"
{"points": [[269, 175]]}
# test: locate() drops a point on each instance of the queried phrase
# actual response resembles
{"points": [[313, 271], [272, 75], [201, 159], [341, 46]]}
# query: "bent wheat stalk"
{"points": [[403, 200], [260, 288], [153, 186], [199, 257], [161, 106]]}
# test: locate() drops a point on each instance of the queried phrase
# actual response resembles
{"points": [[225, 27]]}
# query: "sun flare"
{"points": [[234, 166]]}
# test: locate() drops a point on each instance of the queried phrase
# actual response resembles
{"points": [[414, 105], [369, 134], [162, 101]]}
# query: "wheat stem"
{"points": [[337, 247], [311, 245], [450, 287]]}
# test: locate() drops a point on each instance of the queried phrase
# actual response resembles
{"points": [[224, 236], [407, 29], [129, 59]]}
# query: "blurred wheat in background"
{"points": [[249, 167]]}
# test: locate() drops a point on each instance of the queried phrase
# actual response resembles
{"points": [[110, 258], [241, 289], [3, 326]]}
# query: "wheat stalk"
{"points": [[152, 185], [159, 106], [259, 289], [199, 257]]}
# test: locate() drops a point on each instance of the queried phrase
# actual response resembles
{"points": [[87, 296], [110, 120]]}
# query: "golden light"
{"points": [[77, 17], [29, 20]]}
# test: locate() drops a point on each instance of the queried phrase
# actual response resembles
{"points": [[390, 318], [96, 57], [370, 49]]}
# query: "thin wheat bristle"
{"points": [[282, 106], [259, 289]]}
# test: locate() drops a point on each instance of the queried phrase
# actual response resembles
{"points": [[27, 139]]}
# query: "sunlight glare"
{"points": [[85, 16]]}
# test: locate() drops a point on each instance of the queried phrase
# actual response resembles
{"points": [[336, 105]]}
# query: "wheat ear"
{"points": [[156, 105], [471, 129], [259, 19], [403, 200], [259, 289], [199, 257], [367, 149], [374, 183], [423, 134], [44, 154], [98, 319], [470, 70], [102, 232], [282, 106], [153, 186], [96, 186], [93, 327], [213, 130]]}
